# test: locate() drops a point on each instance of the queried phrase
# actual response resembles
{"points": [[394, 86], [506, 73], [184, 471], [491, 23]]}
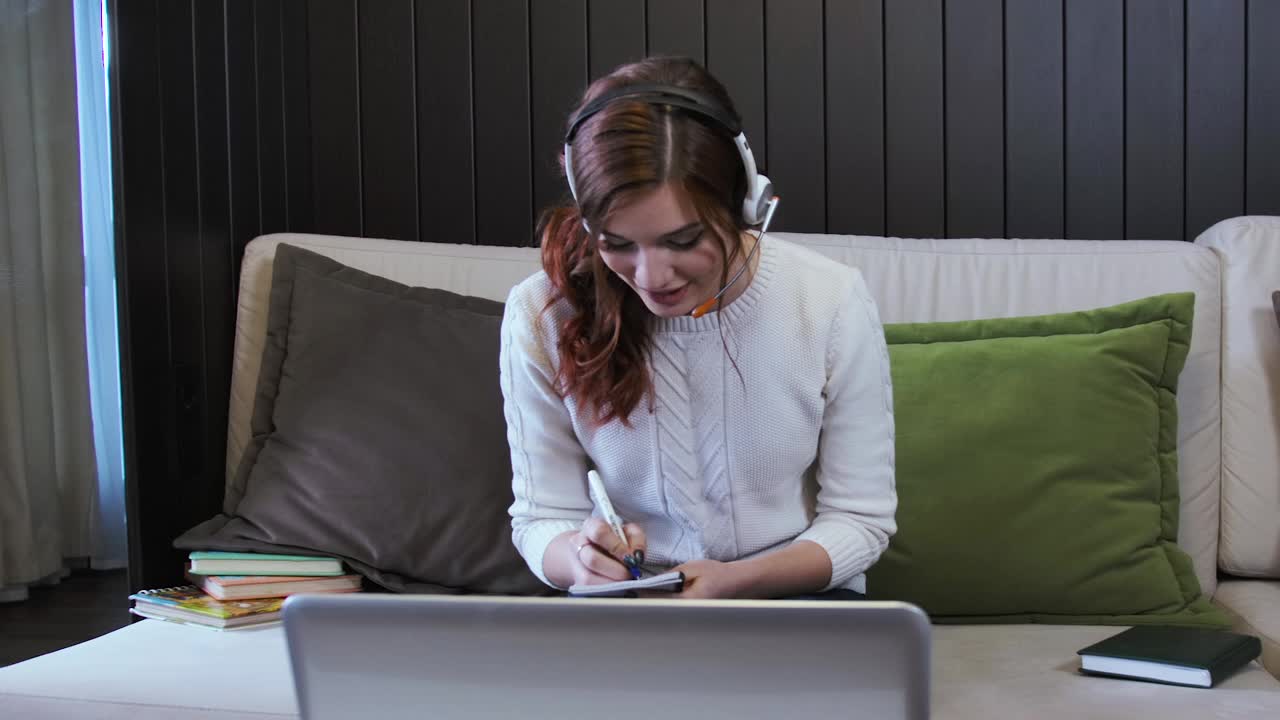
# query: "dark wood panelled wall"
{"points": [[440, 120]]}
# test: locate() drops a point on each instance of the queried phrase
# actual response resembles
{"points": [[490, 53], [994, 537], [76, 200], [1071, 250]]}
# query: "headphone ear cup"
{"points": [[757, 200]]}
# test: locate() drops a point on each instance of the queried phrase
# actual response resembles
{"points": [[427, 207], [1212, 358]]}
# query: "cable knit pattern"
{"points": [[691, 458], [795, 442]]}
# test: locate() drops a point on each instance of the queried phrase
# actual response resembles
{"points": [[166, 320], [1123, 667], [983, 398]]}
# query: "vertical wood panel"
{"points": [[1034, 119], [1154, 120], [735, 55], [181, 249], [218, 294], [503, 185], [388, 132], [615, 34], [795, 115], [1215, 112], [854, 42], [675, 27], [1094, 120], [915, 204], [144, 306], [1262, 177], [558, 35], [297, 119], [242, 129], [974, 65], [446, 160], [271, 136], [332, 28]]}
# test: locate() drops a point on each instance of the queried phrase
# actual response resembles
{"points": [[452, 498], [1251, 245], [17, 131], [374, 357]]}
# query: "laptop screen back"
{"points": [[470, 657]]}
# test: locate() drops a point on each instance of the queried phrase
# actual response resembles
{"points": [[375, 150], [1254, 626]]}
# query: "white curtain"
{"points": [[110, 544], [49, 504]]}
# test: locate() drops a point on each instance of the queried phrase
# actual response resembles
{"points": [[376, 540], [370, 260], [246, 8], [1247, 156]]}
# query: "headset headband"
{"points": [[658, 95], [759, 187]]}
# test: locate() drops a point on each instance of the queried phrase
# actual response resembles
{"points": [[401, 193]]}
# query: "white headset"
{"points": [[756, 203]]}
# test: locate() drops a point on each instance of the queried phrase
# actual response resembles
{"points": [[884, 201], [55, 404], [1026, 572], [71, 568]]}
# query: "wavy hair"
{"points": [[628, 148]]}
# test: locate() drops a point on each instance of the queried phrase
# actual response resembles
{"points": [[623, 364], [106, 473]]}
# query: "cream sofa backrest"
{"points": [[912, 280], [1249, 248]]}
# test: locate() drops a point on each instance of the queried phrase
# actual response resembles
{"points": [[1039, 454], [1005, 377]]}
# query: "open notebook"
{"points": [[670, 582]]}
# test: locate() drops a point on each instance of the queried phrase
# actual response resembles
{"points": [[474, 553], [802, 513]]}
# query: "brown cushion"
{"points": [[377, 435]]}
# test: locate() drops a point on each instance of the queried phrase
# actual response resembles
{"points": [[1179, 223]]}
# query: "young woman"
{"points": [[732, 389]]}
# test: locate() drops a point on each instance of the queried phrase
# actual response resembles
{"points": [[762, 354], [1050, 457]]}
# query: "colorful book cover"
{"points": [[212, 626], [191, 598]]}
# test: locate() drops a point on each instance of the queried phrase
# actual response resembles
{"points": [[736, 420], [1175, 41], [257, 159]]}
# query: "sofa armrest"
{"points": [[1254, 607]]}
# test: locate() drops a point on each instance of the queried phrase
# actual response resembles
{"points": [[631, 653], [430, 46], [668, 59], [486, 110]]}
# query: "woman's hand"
{"points": [[592, 555], [710, 579], [801, 567]]}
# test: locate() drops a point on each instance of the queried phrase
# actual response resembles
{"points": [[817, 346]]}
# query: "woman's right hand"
{"points": [[592, 555]]}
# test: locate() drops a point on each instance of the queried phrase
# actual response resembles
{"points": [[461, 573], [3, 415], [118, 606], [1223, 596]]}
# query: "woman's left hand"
{"points": [[711, 579], [801, 567]]}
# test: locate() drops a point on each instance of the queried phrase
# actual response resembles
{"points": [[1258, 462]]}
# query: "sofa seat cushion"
{"points": [[990, 671], [157, 669], [1255, 607], [1001, 671]]}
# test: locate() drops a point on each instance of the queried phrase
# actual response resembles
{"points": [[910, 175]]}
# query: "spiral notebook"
{"points": [[189, 604], [669, 582]]}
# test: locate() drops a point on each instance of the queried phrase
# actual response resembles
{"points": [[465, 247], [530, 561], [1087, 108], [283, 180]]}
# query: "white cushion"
{"points": [[155, 669], [1250, 252], [1256, 607], [911, 280]]}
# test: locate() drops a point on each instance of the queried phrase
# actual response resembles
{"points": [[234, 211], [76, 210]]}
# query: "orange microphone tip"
{"points": [[703, 309]]}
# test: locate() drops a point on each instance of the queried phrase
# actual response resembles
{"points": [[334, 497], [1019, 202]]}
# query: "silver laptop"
{"points": [[367, 656]]}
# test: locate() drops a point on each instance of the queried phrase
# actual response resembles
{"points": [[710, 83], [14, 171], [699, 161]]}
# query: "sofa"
{"points": [[1228, 454]]}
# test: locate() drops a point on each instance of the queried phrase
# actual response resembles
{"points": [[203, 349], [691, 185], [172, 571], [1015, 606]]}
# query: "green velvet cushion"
{"points": [[1037, 468]]}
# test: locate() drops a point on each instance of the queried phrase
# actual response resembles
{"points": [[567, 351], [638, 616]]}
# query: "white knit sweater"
{"points": [[800, 447]]}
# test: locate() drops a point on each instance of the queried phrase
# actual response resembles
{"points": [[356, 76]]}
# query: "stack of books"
{"points": [[234, 590]]}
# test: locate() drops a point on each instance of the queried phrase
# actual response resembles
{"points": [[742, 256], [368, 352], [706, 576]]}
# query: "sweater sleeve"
{"points": [[857, 496], [548, 463]]}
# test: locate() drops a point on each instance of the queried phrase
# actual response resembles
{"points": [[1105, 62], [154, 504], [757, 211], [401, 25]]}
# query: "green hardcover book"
{"points": [[229, 563], [1196, 657]]}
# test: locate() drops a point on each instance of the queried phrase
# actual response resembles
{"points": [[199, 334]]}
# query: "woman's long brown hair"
{"points": [[631, 147]]}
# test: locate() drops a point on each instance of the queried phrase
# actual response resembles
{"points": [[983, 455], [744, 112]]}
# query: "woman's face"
{"points": [[659, 247]]}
